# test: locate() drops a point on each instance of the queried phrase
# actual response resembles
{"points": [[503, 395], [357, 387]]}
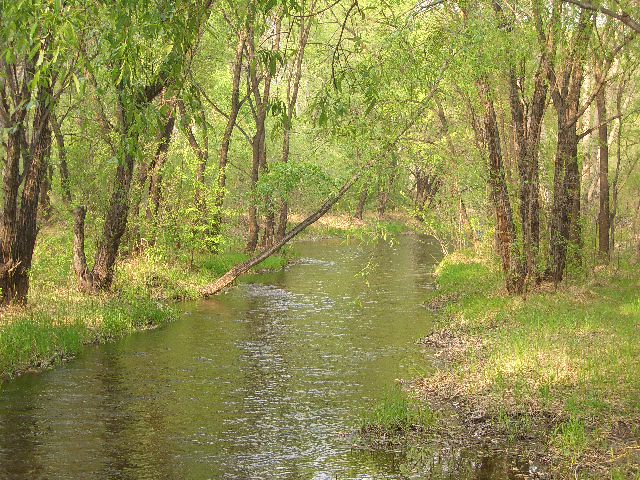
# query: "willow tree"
{"points": [[129, 70], [36, 38]]}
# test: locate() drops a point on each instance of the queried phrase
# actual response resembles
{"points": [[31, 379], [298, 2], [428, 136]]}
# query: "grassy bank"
{"points": [[59, 319], [561, 367]]}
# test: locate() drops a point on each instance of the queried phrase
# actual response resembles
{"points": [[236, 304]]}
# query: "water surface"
{"points": [[261, 382]]}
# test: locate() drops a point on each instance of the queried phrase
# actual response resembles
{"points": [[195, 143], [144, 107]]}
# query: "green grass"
{"points": [[397, 412], [572, 355], [223, 262], [59, 319], [41, 334]]}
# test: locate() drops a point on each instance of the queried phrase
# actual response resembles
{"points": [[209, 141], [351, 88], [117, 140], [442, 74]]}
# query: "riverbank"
{"points": [[559, 370], [59, 320]]}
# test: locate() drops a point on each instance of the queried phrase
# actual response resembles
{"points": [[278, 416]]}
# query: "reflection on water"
{"points": [[258, 383]]}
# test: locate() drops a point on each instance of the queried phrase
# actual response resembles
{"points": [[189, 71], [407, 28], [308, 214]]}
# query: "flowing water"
{"points": [[265, 381]]}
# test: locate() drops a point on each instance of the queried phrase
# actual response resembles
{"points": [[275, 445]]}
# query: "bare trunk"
{"points": [[505, 228], [252, 240], [20, 211], [362, 202], [383, 200], [604, 214], [566, 86], [292, 95], [114, 226], [62, 160], [228, 132], [156, 167], [83, 275], [527, 124], [259, 160], [46, 209]]}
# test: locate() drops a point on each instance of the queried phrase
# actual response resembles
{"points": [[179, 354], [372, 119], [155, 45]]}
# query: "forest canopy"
{"points": [[184, 127]]}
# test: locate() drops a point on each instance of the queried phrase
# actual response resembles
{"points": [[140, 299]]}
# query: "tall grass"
{"points": [[397, 412]]}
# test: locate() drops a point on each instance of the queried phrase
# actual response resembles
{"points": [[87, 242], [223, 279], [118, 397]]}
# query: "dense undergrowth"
{"points": [[562, 366]]}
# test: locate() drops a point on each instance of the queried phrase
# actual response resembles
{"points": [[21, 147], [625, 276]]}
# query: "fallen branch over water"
{"points": [[229, 277]]}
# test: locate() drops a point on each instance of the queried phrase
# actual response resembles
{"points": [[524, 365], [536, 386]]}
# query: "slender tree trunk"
{"points": [[228, 131], [157, 166], [383, 199], [292, 96], [565, 212], [505, 226], [252, 240], [362, 202], [259, 160], [56, 127], [201, 151], [604, 214], [527, 125], [566, 87]]}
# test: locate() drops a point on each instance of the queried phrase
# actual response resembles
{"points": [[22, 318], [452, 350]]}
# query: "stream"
{"points": [[265, 381]]}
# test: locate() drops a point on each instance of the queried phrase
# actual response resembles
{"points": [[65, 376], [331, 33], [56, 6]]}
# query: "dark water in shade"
{"points": [[259, 383]]}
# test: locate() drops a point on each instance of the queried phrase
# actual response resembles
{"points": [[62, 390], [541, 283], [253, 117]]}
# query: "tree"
{"points": [[131, 26], [36, 38]]}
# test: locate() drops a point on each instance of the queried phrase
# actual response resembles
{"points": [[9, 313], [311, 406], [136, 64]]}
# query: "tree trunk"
{"points": [[292, 95], [228, 131], [114, 226], [115, 222], [19, 220], [62, 160], [604, 214], [383, 200], [505, 227], [566, 87], [229, 277], [259, 150], [362, 202], [527, 124], [46, 209], [156, 167]]}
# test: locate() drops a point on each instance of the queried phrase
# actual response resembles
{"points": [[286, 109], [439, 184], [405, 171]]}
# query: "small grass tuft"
{"points": [[397, 412]]}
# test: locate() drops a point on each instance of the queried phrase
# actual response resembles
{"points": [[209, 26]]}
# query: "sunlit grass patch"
{"points": [[397, 412], [570, 356]]}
